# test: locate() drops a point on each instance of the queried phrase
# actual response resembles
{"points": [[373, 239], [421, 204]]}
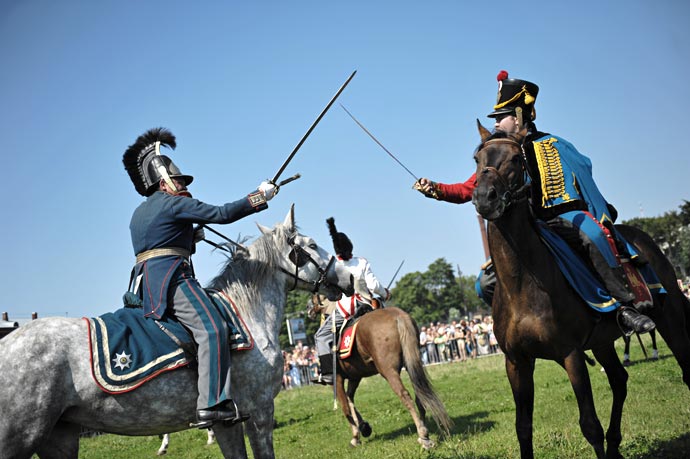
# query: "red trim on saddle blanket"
{"points": [[347, 342], [243, 324], [643, 297], [109, 389], [638, 286]]}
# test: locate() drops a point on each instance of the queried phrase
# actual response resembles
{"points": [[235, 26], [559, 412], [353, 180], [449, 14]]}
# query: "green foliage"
{"points": [[436, 294], [671, 232], [477, 396]]}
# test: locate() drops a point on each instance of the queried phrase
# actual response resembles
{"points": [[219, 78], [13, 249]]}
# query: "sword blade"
{"points": [[395, 275], [311, 128], [377, 141]]}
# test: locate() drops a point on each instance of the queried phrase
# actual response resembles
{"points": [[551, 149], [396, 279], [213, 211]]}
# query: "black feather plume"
{"points": [[331, 228], [132, 159]]}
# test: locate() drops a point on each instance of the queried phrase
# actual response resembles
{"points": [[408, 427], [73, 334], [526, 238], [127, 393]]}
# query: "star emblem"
{"points": [[122, 360]]}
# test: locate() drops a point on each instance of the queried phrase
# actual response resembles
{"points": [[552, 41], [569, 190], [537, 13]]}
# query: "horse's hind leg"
{"points": [[576, 368], [618, 378], [62, 443], [393, 378]]}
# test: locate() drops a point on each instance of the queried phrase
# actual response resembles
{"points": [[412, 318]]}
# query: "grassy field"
{"points": [[656, 420]]}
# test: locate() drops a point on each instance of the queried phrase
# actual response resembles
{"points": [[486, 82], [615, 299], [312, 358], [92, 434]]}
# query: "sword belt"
{"points": [[162, 252]]}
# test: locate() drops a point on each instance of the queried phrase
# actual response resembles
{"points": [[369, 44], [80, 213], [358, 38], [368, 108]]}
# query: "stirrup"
{"points": [[201, 424]]}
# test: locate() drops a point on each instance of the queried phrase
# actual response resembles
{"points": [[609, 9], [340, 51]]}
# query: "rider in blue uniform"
{"points": [[564, 195], [163, 237]]}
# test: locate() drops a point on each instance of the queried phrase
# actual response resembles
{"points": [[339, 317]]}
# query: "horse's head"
{"points": [[307, 265], [500, 172]]}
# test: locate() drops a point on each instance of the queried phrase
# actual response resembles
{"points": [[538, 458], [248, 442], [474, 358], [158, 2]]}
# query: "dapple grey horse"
{"points": [[48, 392]]}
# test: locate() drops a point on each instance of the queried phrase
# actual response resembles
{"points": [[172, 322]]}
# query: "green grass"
{"points": [[656, 420]]}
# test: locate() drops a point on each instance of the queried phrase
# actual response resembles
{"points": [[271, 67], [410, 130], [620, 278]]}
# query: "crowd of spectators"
{"points": [[300, 365], [438, 342], [455, 342]]}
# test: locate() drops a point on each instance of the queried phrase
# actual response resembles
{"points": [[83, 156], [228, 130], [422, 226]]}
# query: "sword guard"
{"points": [[432, 194]]}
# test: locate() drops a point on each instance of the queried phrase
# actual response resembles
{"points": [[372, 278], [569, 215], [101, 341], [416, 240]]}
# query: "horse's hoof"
{"points": [[426, 443], [161, 453], [354, 443], [365, 429]]}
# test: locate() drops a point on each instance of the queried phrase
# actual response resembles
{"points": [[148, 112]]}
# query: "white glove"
{"points": [[268, 189]]}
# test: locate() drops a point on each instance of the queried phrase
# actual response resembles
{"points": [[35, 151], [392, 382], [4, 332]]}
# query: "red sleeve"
{"points": [[458, 193]]}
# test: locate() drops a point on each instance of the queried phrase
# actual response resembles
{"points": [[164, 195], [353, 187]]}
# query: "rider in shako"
{"points": [[563, 194], [366, 286], [163, 238]]}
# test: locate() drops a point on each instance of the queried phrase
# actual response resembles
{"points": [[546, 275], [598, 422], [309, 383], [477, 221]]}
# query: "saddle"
{"points": [[348, 331], [126, 349]]}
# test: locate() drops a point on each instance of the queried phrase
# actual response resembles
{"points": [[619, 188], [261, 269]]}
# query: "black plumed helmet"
{"points": [[341, 243], [145, 164]]}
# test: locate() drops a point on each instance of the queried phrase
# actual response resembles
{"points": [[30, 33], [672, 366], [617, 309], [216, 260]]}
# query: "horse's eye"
{"points": [[313, 246]]}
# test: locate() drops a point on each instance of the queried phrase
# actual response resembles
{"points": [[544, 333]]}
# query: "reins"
{"points": [[299, 257]]}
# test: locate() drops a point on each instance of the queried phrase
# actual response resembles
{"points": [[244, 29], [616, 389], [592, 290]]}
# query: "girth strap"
{"points": [[162, 252]]}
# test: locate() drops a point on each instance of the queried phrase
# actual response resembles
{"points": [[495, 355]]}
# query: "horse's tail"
{"points": [[412, 358]]}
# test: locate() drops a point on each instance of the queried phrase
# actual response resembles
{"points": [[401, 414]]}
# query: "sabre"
{"points": [[395, 275], [311, 128], [379, 143]]}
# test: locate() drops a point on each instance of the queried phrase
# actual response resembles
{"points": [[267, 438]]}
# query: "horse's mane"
{"points": [[249, 269]]}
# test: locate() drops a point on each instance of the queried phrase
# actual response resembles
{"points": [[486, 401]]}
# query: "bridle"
{"points": [[300, 257], [515, 192]]}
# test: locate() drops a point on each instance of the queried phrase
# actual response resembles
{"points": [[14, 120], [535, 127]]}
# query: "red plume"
{"points": [[502, 75]]}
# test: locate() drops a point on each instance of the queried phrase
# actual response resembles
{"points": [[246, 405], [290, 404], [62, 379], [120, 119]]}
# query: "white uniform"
{"points": [[366, 287]]}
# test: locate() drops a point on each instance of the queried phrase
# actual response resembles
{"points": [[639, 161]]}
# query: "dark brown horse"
{"points": [[386, 340], [538, 315]]}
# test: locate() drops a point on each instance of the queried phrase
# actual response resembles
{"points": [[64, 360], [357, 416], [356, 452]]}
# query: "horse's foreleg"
{"points": [[63, 442], [618, 378], [259, 429], [576, 368], [347, 405], [521, 378], [231, 440]]}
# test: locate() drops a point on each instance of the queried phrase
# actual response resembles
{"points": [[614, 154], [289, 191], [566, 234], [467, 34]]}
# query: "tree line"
{"points": [[442, 293]]}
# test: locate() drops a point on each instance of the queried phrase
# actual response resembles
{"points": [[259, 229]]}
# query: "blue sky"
{"points": [[239, 83]]}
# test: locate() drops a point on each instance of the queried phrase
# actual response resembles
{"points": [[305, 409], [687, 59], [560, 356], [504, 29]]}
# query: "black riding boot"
{"points": [[326, 376], [630, 320]]}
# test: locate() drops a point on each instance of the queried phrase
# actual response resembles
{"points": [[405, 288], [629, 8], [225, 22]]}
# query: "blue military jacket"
{"points": [[562, 179], [166, 221]]}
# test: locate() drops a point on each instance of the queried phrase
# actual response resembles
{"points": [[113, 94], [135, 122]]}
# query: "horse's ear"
{"points": [[483, 132], [263, 229], [289, 222]]}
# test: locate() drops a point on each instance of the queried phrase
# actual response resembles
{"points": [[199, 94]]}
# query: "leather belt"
{"points": [[162, 252]]}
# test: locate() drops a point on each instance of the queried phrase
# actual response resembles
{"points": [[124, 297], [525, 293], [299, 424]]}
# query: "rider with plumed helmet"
{"points": [[563, 193], [163, 281], [366, 287]]}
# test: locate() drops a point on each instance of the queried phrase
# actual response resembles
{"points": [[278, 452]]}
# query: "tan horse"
{"points": [[386, 340]]}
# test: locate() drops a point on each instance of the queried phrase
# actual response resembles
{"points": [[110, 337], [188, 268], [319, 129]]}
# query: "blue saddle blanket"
{"points": [[126, 349], [581, 278]]}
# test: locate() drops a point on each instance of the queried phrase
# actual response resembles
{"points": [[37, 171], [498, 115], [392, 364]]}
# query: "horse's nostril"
{"points": [[492, 194]]}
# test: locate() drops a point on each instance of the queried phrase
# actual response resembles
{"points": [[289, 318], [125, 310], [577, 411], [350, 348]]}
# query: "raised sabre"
{"points": [[417, 185], [311, 128], [395, 275], [377, 141]]}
